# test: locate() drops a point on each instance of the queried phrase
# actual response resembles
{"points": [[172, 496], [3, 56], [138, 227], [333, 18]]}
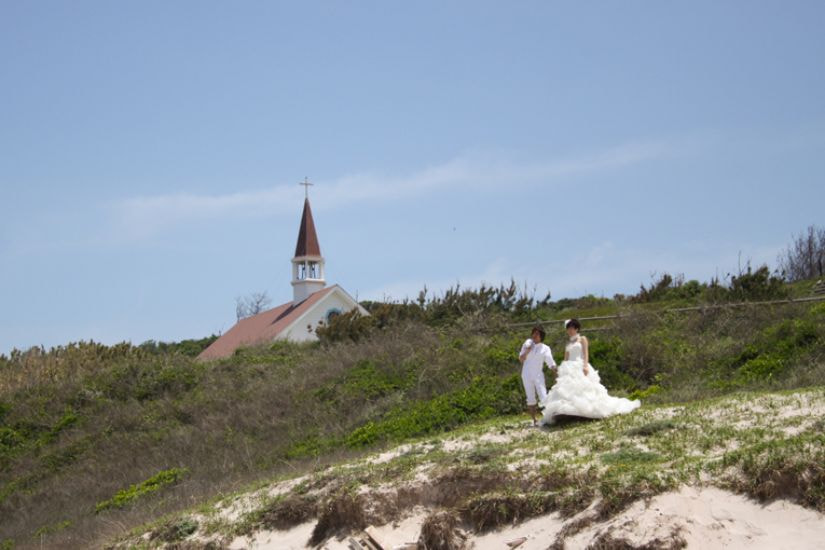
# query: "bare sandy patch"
{"points": [[292, 539], [539, 534], [712, 518]]}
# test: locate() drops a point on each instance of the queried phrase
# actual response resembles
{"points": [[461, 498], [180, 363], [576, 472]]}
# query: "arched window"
{"points": [[332, 314]]}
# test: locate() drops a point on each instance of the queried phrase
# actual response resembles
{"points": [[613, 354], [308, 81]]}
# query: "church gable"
{"points": [[264, 327], [334, 302]]}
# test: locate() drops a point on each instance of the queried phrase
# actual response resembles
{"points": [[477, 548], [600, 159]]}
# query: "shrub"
{"points": [[645, 393], [151, 485], [148, 379], [644, 351], [175, 530], [652, 428], [756, 285], [772, 349], [749, 285], [341, 512], [483, 398], [490, 511], [365, 380], [790, 468], [189, 348], [348, 326], [440, 531], [285, 513], [606, 356], [805, 256], [761, 368]]}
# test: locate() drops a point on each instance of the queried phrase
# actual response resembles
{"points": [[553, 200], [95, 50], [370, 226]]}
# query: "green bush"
{"points": [[153, 484], [761, 368], [501, 355], [175, 530], [785, 468], [149, 379], [10, 441], [645, 393], [350, 326], [757, 285], [483, 398], [366, 381], [773, 349], [751, 284], [189, 348], [606, 356]]}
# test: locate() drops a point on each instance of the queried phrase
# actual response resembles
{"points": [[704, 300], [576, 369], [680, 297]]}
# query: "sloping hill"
{"points": [[95, 439], [666, 475]]}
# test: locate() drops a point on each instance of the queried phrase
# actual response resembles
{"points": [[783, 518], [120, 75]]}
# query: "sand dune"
{"points": [[699, 517]]}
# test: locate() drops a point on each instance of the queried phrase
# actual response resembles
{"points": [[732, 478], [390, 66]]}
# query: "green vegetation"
{"points": [[189, 348], [497, 472], [151, 485], [482, 398], [792, 467], [758, 284], [172, 531], [49, 529], [78, 423]]}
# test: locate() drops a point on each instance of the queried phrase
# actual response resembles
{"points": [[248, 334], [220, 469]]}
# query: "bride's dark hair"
{"points": [[573, 323]]}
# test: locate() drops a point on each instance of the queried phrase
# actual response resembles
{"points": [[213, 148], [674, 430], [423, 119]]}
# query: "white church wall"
{"points": [[334, 301]]}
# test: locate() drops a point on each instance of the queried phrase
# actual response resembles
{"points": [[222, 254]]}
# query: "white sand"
{"points": [[540, 533], [706, 518], [395, 535], [713, 518], [293, 539]]}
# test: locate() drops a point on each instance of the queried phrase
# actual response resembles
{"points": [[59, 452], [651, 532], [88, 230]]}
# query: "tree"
{"points": [[805, 256], [247, 306]]}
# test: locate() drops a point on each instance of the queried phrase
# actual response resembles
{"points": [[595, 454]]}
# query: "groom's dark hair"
{"points": [[540, 330]]}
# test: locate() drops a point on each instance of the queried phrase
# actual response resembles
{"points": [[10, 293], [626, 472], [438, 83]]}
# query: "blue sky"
{"points": [[150, 152]]}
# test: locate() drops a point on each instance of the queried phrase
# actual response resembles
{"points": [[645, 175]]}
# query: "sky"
{"points": [[151, 152]]}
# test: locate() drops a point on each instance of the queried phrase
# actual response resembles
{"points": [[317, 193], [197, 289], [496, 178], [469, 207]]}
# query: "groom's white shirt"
{"points": [[539, 354]]}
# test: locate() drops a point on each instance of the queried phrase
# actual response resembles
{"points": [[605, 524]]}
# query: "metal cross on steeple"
{"points": [[306, 183]]}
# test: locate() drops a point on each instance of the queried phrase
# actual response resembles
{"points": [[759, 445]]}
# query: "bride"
{"points": [[578, 391]]}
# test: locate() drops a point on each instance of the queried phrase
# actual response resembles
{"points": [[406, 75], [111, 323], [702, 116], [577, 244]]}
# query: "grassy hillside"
{"points": [[96, 439], [494, 473]]}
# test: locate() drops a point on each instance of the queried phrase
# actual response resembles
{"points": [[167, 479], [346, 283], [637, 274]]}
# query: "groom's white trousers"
{"points": [[534, 386]]}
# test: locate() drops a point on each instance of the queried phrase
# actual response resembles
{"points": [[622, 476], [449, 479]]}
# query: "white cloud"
{"points": [[141, 217]]}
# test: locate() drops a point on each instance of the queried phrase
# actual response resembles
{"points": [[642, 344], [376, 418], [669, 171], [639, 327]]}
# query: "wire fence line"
{"points": [[668, 310]]}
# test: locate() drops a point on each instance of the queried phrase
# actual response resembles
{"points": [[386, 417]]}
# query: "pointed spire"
{"points": [[307, 238]]}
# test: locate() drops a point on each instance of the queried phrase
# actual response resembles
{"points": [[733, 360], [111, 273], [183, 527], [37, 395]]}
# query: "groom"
{"points": [[534, 354]]}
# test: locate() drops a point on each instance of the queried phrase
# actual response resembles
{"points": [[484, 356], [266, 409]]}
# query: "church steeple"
{"points": [[307, 244], [308, 264]]}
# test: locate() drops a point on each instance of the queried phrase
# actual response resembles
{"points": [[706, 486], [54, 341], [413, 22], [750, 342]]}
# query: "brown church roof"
{"points": [[261, 328], [307, 238]]}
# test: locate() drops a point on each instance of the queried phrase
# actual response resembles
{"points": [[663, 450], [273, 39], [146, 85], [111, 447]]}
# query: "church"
{"points": [[313, 303]]}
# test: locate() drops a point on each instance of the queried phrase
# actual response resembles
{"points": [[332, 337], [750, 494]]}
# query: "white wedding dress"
{"points": [[575, 394]]}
